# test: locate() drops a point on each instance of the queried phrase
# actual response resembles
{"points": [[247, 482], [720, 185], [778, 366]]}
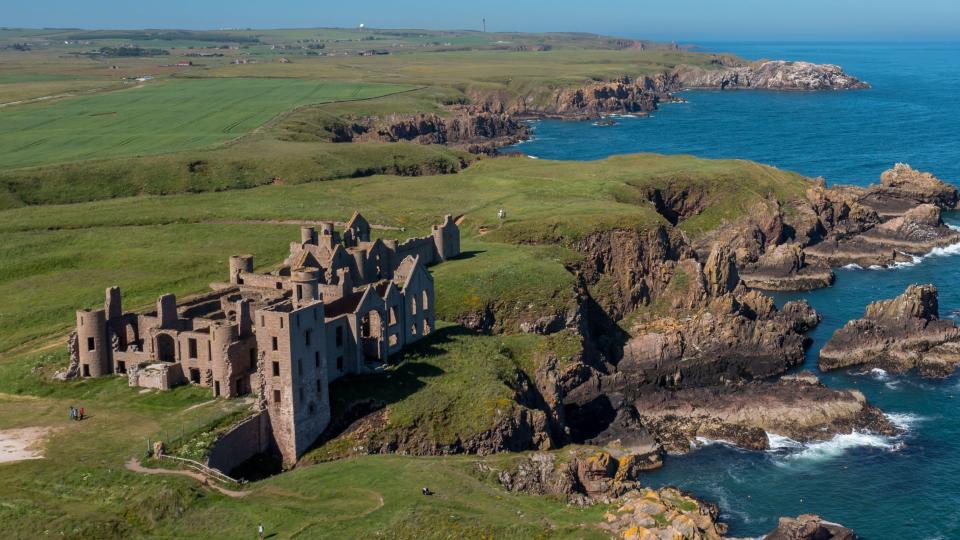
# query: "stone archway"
{"points": [[166, 348]]}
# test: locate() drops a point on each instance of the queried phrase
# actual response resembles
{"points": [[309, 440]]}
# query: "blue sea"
{"points": [[883, 487]]}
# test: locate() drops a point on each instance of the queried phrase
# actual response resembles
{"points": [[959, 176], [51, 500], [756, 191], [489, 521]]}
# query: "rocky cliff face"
{"points": [[899, 334], [770, 75], [474, 131]]}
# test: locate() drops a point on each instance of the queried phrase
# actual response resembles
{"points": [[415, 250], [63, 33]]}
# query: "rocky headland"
{"points": [[795, 245], [898, 335], [770, 75], [494, 119]]}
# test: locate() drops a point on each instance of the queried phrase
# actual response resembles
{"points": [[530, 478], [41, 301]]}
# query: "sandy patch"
{"points": [[23, 443]]}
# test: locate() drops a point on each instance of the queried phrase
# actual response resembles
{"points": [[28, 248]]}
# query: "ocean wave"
{"points": [[853, 266], [952, 226], [946, 251], [791, 451], [876, 374], [532, 157], [904, 421]]}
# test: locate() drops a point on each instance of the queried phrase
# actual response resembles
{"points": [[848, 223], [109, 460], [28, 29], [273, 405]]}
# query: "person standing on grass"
{"points": [[260, 530], [81, 412], [73, 413]]}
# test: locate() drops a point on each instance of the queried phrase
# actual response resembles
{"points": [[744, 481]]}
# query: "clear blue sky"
{"points": [[683, 20]]}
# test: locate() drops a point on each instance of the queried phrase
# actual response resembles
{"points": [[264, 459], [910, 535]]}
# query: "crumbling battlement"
{"points": [[339, 304]]}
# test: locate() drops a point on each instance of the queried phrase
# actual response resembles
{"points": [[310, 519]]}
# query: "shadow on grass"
{"points": [[355, 397], [469, 254]]}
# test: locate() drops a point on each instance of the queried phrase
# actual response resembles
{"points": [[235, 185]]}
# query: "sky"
{"points": [[680, 20]]}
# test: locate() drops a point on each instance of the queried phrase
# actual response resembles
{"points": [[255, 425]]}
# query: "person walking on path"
{"points": [[82, 411], [73, 413]]}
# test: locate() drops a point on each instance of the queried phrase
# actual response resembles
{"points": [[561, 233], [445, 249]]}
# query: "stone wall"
{"points": [[423, 247], [242, 442]]}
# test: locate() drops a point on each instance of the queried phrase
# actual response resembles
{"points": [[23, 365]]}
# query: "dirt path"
{"points": [[135, 466]]}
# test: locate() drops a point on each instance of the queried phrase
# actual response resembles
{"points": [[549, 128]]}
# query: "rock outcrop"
{"points": [[666, 513], [770, 75], [794, 245], [798, 408], [475, 131], [785, 268], [898, 335], [809, 527], [582, 476]]}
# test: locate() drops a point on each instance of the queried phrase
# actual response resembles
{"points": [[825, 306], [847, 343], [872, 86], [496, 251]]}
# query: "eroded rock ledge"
{"points": [[898, 335]]}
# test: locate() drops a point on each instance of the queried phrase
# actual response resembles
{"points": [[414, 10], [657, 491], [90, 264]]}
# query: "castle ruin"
{"points": [[339, 304]]}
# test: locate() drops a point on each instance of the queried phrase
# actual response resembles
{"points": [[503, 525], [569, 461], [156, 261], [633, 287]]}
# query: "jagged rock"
{"points": [[809, 527], [477, 131], [582, 475], [664, 514], [770, 75], [785, 268], [899, 334], [907, 185]]}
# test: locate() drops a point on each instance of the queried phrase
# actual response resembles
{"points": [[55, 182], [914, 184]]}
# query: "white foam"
{"points": [[779, 442], [946, 251], [533, 157], [853, 266], [904, 421], [841, 443], [952, 226], [791, 451]]}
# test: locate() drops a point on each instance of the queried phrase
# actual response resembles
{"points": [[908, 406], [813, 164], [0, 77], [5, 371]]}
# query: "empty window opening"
{"points": [[86, 370], [253, 359], [216, 388], [319, 387], [276, 369], [276, 396], [306, 338], [195, 375], [192, 347], [121, 366], [316, 359], [274, 342], [299, 367], [426, 301], [339, 336], [91, 344]]}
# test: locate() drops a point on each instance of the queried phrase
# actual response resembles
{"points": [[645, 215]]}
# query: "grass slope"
{"points": [[159, 116]]}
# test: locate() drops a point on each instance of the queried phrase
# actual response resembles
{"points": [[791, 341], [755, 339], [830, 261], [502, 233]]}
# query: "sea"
{"points": [[903, 487]]}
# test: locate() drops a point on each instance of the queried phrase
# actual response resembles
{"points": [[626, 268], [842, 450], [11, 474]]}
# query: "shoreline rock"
{"points": [[770, 75], [809, 527], [898, 335]]}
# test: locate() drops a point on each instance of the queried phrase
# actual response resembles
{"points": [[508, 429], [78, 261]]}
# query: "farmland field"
{"points": [[159, 116]]}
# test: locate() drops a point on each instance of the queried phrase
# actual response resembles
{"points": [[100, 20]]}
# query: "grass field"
{"points": [[55, 259], [158, 116]]}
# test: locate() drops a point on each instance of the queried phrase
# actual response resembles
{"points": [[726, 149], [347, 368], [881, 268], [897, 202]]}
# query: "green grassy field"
{"points": [[159, 116]]}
